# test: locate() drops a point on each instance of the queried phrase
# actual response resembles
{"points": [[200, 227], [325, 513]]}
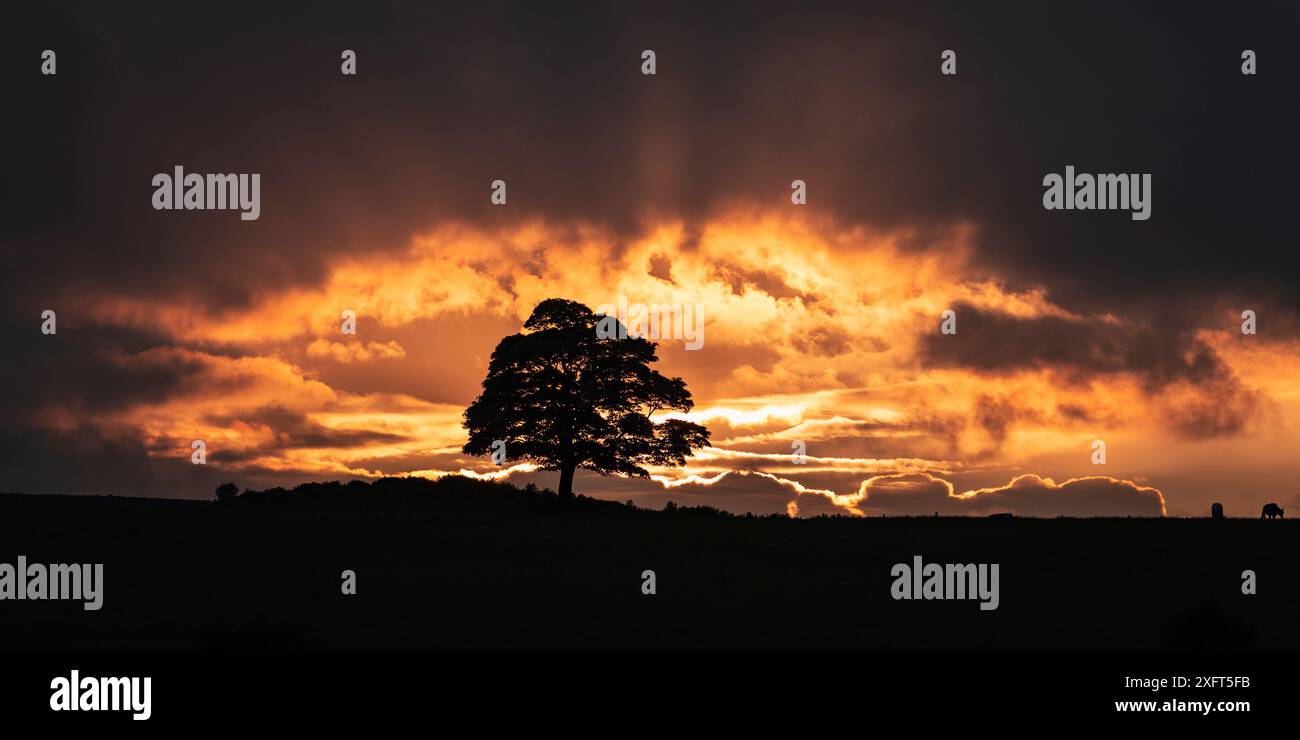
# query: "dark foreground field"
{"points": [[461, 564]]}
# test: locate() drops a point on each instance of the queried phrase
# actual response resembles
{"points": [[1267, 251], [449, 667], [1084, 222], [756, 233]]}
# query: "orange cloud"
{"points": [[815, 334]]}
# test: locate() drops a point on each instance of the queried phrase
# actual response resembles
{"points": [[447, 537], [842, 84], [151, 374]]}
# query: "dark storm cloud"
{"points": [[549, 97], [94, 460], [60, 387], [898, 495], [79, 368], [992, 341], [295, 430], [1163, 357], [748, 96], [1093, 496], [67, 396], [1025, 495], [742, 279], [997, 415]]}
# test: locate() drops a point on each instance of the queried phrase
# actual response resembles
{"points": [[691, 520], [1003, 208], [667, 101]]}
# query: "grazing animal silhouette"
{"points": [[1271, 511], [1216, 510]]}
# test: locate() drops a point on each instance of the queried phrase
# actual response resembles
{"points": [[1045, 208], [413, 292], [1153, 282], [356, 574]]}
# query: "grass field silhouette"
{"points": [[461, 563]]}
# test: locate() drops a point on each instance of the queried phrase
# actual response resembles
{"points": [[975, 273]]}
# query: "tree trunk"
{"points": [[566, 481]]}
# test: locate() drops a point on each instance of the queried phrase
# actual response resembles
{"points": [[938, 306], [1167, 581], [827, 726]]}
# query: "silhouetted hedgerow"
{"points": [[454, 491]]}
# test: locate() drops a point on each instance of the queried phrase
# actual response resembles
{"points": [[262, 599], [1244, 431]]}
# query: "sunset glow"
{"points": [[814, 333]]}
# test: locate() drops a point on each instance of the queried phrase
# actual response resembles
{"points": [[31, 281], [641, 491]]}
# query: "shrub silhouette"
{"points": [[562, 397], [226, 492]]}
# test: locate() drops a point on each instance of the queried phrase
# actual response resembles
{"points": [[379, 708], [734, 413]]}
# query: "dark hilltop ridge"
{"points": [[462, 563]]}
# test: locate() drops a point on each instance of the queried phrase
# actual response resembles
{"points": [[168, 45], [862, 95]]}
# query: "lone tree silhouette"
{"points": [[562, 397], [226, 492]]}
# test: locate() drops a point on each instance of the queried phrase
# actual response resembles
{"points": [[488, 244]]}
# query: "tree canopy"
{"points": [[562, 397]]}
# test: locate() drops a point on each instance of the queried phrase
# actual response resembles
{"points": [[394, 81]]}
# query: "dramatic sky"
{"points": [[821, 321]]}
